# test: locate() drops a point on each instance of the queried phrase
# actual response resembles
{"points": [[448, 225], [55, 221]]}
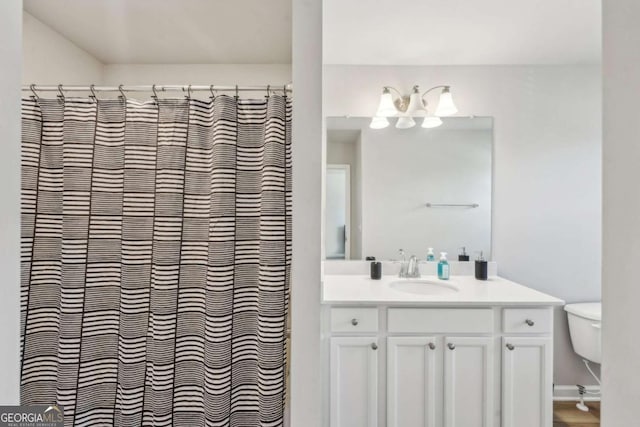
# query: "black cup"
{"points": [[376, 270], [482, 270]]}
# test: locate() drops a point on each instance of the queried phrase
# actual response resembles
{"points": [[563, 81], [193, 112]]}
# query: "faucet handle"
{"points": [[413, 260], [412, 267]]}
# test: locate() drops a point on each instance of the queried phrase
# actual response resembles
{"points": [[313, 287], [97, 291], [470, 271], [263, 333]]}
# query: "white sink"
{"points": [[423, 287]]}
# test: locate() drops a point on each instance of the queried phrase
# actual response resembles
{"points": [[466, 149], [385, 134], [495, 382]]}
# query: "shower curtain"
{"points": [[156, 243]]}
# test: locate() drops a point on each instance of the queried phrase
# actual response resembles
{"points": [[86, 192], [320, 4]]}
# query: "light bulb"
{"points": [[405, 122], [446, 107], [379, 122], [386, 108], [431, 122], [415, 102]]}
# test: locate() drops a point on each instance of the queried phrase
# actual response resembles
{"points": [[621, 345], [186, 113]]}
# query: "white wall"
{"points": [[10, 69], [404, 169], [197, 74], [621, 249], [50, 58], [341, 152], [547, 161], [308, 149]]}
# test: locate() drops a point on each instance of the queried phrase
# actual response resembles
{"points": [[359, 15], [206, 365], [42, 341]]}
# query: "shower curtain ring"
{"points": [[155, 94], [33, 90], [92, 88], [124, 97], [188, 92], [213, 95], [268, 88], [61, 94], [237, 92]]}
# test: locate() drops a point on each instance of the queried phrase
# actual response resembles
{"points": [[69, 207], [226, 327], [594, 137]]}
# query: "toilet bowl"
{"points": [[584, 327]]}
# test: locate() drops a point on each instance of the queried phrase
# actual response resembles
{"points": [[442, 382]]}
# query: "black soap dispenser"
{"points": [[464, 256], [482, 268], [376, 270]]}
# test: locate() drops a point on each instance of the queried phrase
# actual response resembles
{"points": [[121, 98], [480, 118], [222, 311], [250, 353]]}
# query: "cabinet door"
{"points": [[354, 382], [468, 382], [411, 382], [527, 368]]}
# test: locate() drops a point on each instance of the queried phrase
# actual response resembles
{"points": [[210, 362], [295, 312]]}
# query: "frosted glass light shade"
{"points": [[415, 104], [386, 108], [405, 122], [431, 122], [378, 122], [446, 107]]}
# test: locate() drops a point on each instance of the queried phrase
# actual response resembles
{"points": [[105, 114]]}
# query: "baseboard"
{"points": [[570, 393]]}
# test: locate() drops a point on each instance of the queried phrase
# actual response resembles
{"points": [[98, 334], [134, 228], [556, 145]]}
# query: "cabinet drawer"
{"points": [[440, 320], [354, 319], [527, 320]]}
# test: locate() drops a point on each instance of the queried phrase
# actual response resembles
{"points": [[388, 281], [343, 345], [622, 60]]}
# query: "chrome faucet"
{"points": [[403, 264], [409, 269]]}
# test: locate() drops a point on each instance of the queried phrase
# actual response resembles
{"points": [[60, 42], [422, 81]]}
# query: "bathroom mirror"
{"points": [[411, 189]]}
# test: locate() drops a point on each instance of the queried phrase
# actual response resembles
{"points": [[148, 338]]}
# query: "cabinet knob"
{"points": [[374, 346], [354, 322], [510, 347], [432, 346], [451, 346], [529, 322]]}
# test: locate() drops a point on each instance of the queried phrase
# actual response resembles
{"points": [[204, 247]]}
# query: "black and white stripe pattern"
{"points": [[156, 243]]}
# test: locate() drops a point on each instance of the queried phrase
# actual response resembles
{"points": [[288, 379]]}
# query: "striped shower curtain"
{"points": [[156, 242]]}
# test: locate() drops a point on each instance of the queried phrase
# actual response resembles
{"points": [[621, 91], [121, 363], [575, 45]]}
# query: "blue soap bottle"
{"points": [[443, 267], [430, 255]]}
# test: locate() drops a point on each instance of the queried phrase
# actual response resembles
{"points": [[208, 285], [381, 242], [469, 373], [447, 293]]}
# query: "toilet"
{"points": [[584, 327], [585, 320]]}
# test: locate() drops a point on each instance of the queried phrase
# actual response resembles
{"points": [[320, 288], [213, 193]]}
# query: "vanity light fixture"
{"points": [[431, 122], [406, 107], [405, 122], [386, 108], [379, 122]]}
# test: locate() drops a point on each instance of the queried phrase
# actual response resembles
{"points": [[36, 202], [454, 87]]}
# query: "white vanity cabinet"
{"points": [[468, 382], [413, 381], [432, 366], [527, 381], [430, 384], [354, 381]]}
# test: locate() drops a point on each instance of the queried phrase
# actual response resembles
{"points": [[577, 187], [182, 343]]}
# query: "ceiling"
{"points": [[462, 32], [400, 32], [173, 31]]}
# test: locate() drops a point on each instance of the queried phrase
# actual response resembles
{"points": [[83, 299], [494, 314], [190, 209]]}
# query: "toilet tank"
{"points": [[584, 327]]}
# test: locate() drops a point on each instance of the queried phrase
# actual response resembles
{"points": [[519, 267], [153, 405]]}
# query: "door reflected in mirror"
{"points": [[412, 189], [338, 207]]}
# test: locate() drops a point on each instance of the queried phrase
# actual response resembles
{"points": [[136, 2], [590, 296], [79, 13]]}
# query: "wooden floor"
{"points": [[565, 414]]}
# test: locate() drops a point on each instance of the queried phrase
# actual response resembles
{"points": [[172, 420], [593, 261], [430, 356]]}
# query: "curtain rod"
{"points": [[160, 88]]}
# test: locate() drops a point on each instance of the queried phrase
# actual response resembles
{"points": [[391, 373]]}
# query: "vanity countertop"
{"points": [[358, 289]]}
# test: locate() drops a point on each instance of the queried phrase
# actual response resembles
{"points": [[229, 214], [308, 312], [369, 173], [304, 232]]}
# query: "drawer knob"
{"points": [[510, 347], [432, 346], [354, 322], [529, 322], [374, 346], [451, 346]]}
